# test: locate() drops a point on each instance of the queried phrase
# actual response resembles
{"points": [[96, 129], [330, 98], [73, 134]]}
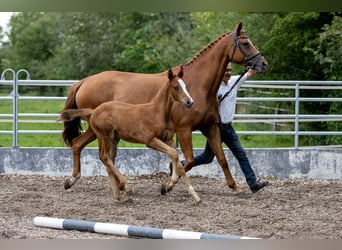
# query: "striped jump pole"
{"points": [[126, 230]]}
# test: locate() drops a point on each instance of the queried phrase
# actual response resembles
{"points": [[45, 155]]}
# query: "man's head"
{"points": [[227, 73]]}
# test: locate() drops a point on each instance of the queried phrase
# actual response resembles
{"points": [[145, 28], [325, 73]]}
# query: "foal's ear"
{"points": [[238, 29], [181, 72], [170, 74]]}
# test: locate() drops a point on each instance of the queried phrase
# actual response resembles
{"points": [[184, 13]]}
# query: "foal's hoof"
{"points": [[198, 200], [163, 190], [67, 184], [128, 190]]}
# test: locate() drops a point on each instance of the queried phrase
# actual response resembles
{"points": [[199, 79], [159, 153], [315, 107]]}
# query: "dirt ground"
{"points": [[286, 209]]}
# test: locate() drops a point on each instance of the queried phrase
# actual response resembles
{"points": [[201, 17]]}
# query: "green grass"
{"points": [[54, 140]]}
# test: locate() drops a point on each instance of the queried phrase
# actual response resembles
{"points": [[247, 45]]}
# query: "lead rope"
{"points": [[235, 83]]}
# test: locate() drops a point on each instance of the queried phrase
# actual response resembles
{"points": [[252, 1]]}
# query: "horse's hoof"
{"points": [[122, 187], [128, 190], [67, 184], [198, 201], [237, 190], [163, 190]]}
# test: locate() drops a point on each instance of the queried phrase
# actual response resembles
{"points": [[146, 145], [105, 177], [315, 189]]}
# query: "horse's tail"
{"points": [[72, 128], [70, 114]]}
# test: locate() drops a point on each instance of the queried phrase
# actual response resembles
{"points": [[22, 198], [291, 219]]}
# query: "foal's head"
{"points": [[177, 88]]}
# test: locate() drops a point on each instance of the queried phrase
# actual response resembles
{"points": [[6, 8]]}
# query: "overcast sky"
{"points": [[4, 19]]}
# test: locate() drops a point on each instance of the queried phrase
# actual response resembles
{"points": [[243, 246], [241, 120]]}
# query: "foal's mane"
{"points": [[209, 46]]}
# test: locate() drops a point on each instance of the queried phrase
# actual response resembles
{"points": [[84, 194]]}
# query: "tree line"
{"points": [[73, 45]]}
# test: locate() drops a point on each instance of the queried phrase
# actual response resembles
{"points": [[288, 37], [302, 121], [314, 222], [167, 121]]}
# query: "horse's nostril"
{"points": [[188, 103]]}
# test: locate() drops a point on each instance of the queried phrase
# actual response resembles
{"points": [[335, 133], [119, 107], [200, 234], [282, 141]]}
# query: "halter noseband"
{"points": [[247, 59]]}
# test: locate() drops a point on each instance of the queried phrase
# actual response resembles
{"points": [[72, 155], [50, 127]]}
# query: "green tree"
{"points": [[329, 56], [88, 42], [154, 41], [329, 53], [31, 42], [292, 41]]}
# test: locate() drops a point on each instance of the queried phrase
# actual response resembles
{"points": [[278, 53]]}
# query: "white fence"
{"points": [[294, 116]]}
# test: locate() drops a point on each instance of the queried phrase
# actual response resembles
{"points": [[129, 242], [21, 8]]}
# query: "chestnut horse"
{"points": [[147, 123], [203, 75]]}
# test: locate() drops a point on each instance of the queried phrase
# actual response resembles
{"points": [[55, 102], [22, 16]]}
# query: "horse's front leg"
{"points": [[178, 170], [214, 140], [185, 141], [77, 145]]}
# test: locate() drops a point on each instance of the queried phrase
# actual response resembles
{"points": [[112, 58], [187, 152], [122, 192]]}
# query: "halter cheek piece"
{"points": [[248, 59]]}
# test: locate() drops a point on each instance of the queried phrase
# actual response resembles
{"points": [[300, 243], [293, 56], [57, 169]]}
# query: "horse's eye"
{"points": [[176, 88], [246, 45]]}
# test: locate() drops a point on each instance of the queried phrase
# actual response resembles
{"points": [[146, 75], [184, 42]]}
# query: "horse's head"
{"points": [[178, 88], [244, 52]]}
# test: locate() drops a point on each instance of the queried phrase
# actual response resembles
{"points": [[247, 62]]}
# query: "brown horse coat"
{"points": [[203, 75], [147, 123]]}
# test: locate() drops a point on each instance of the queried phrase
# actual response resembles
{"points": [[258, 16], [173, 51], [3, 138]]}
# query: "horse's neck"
{"points": [[163, 102], [206, 70]]}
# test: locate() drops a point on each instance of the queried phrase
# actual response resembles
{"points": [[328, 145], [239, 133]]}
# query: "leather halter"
{"points": [[248, 59]]}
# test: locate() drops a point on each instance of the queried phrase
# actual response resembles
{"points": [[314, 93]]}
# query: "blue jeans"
{"points": [[231, 139]]}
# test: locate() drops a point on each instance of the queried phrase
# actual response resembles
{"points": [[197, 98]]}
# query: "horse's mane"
{"points": [[209, 46]]}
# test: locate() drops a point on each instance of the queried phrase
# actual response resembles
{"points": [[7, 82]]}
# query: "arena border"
{"points": [[313, 163], [127, 230]]}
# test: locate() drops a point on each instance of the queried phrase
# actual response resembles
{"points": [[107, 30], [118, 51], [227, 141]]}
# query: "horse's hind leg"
{"points": [[118, 181], [214, 140], [77, 145], [113, 150]]}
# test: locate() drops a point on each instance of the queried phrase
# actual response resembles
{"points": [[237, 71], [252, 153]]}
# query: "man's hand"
{"points": [[251, 73]]}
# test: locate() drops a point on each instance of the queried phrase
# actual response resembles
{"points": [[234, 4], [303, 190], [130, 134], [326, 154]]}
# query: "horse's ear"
{"points": [[238, 29], [170, 74], [181, 72]]}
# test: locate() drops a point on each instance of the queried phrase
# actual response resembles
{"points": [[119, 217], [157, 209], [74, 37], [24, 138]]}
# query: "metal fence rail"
{"points": [[296, 117]]}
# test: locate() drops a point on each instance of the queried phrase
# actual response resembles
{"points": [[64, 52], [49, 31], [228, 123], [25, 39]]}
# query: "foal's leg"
{"points": [[113, 151], [116, 178], [178, 170], [214, 140], [185, 142], [77, 145]]}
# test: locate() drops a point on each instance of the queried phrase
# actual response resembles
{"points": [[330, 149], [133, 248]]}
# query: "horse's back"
{"points": [[117, 85], [129, 122]]}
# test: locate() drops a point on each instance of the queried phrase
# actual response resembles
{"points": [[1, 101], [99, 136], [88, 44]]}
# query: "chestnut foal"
{"points": [[148, 124]]}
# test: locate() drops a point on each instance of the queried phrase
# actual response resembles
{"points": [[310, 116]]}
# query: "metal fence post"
{"points": [[14, 88], [15, 106], [15, 95], [296, 117]]}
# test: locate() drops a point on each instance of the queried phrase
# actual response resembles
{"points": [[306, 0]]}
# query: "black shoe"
{"points": [[258, 185]]}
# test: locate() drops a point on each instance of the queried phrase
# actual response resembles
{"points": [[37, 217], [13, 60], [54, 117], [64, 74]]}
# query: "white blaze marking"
{"points": [[250, 42], [182, 84]]}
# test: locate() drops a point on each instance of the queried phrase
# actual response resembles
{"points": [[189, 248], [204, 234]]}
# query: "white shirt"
{"points": [[227, 106]]}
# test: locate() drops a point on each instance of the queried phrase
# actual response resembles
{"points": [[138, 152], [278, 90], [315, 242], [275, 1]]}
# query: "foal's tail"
{"points": [[72, 128], [70, 114]]}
